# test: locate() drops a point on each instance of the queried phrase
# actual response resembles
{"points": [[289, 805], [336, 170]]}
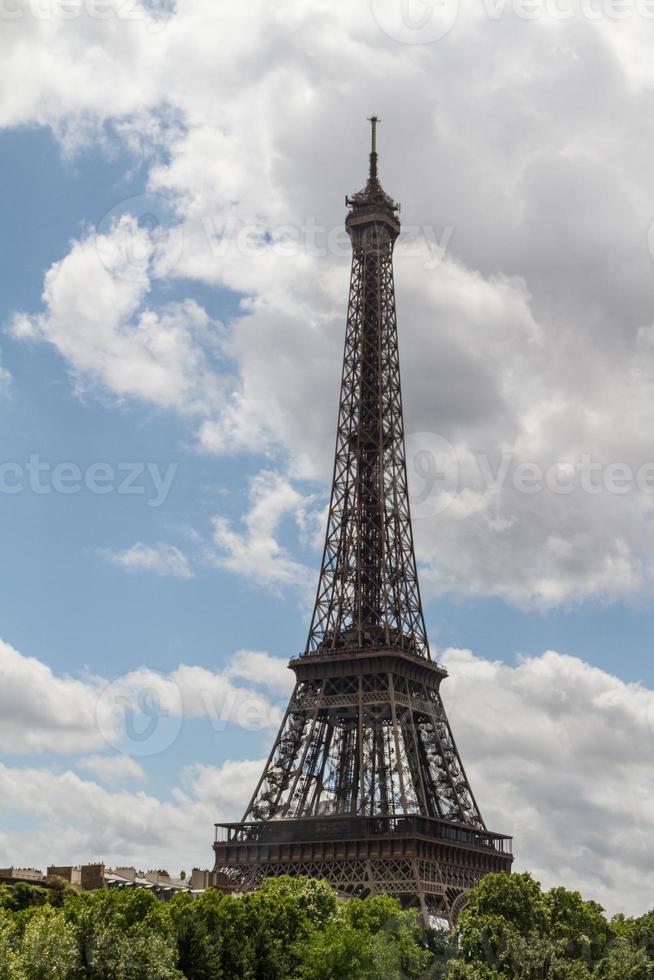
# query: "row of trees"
{"points": [[296, 929]]}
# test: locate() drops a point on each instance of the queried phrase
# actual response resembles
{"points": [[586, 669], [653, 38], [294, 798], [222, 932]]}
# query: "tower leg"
{"points": [[456, 908], [420, 892]]}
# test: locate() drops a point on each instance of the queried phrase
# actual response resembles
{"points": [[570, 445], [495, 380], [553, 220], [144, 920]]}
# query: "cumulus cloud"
{"points": [[39, 710], [76, 820], [113, 768], [85, 65], [97, 317], [255, 553], [163, 559], [260, 668], [523, 279], [211, 694], [136, 713], [558, 754]]}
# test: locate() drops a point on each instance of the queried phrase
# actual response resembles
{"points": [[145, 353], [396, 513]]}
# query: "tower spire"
{"points": [[372, 195], [373, 120]]}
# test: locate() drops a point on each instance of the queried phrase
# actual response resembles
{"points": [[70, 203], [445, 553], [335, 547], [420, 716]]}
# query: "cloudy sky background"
{"points": [[174, 286]]}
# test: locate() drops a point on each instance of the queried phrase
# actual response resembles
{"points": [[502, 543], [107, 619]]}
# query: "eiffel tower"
{"points": [[364, 785]]}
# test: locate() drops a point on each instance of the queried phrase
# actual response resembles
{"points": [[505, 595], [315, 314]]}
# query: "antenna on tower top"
{"points": [[373, 120]]}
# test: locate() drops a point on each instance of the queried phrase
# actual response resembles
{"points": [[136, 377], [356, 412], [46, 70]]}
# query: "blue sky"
{"points": [[525, 307], [56, 539]]}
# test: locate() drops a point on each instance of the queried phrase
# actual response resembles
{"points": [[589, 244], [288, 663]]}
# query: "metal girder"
{"points": [[344, 750]]}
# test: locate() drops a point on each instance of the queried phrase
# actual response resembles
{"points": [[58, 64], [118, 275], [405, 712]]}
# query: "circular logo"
{"points": [[415, 21], [432, 473], [139, 238], [140, 714]]}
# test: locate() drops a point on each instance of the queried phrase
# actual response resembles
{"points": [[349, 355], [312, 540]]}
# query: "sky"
{"points": [[174, 288]]}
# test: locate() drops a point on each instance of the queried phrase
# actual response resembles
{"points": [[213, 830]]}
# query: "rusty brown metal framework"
{"points": [[364, 785]]}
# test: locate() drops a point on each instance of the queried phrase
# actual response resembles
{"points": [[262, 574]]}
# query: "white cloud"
{"points": [[211, 694], [558, 754], [256, 554], [227, 787], [163, 559], [41, 712], [5, 380], [97, 318], [84, 58], [113, 768], [260, 668], [530, 337], [75, 820]]}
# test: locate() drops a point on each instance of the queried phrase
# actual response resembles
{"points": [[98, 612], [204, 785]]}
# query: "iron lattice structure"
{"points": [[364, 785]]}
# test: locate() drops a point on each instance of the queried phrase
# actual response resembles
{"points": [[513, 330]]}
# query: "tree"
{"points": [[198, 926], [22, 896], [366, 939], [297, 929], [48, 950], [8, 945], [626, 960], [503, 924], [281, 917], [579, 928], [123, 936], [150, 956], [641, 933], [510, 928], [238, 947]]}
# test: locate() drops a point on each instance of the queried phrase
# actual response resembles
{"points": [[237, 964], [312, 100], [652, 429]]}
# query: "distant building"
{"points": [[201, 880], [68, 873], [158, 881], [20, 874], [90, 877]]}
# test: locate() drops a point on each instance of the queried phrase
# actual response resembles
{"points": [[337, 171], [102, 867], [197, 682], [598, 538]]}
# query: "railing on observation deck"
{"points": [[345, 651], [344, 827]]}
